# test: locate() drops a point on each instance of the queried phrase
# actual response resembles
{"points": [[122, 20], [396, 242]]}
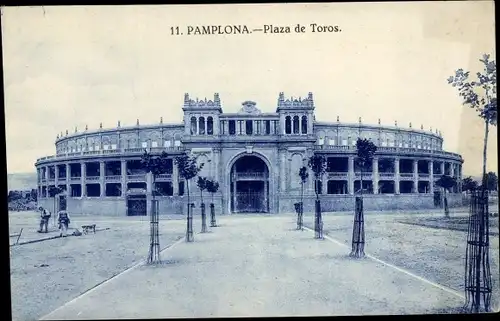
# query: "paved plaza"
{"points": [[257, 265]]}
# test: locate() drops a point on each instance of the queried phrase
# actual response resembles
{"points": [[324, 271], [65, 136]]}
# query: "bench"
{"points": [[87, 228]]}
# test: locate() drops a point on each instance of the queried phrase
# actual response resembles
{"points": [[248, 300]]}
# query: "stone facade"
{"points": [[255, 157]]}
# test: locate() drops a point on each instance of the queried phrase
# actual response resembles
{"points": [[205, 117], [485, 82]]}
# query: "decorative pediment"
{"points": [[249, 108]]}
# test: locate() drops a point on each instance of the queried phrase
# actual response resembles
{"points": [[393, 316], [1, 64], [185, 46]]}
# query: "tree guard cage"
{"points": [[477, 262], [318, 221], [154, 247], [203, 219], [189, 231], [213, 223], [358, 232]]}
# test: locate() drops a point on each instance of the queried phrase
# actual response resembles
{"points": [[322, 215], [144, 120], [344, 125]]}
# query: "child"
{"points": [[44, 220], [63, 219]]}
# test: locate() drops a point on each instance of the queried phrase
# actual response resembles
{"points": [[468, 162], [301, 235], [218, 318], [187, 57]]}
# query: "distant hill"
{"points": [[21, 181]]}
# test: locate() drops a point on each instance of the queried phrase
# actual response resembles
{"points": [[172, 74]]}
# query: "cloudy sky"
{"points": [[77, 66]]}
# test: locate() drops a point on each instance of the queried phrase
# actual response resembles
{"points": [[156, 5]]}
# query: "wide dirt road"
{"points": [[258, 266]]}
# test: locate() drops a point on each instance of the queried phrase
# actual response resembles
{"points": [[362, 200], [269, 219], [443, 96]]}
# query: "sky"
{"points": [[67, 67]]}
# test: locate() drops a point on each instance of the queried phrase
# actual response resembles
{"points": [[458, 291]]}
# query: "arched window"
{"points": [[201, 125], [304, 124], [193, 125], [288, 125], [296, 124], [210, 126]]}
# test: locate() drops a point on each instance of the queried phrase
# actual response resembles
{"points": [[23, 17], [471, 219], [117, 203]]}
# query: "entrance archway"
{"points": [[249, 185]]}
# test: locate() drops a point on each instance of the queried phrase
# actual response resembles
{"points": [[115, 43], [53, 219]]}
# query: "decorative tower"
{"points": [[201, 117], [296, 115]]}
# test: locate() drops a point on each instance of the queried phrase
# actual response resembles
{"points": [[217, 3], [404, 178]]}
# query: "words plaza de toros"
{"points": [[255, 156]]}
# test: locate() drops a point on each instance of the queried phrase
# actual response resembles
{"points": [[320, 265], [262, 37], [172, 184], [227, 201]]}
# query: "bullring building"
{"points": [[254, 155]]}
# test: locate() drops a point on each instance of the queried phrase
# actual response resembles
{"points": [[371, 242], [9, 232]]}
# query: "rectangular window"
{"points": [[177, 143], [331, 142], [321, 141], [91, 148], [249, 127], [167, 143], [113, 146], [344, 142], [97, 147], [232, 127], [267, 124], [154, 144], [144, 144]]}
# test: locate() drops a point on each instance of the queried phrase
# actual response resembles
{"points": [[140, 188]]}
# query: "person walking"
{"points": [[44, 220], [63, 219]]}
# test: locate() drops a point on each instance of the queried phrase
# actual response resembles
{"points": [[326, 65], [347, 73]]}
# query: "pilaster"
{"points": [[375, 175], [415, 176], [83, 175], [431, 177], [56, 174], [396, 175], [123, 180], [102, 175], [351, 175], [68, 179], [175, 179]]}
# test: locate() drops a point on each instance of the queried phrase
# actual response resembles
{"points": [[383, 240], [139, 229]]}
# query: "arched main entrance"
{"points": [[249, 185]]}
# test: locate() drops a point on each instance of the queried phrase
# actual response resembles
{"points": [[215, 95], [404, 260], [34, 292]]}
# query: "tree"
{"points": [[469, 184], [317, 163], [365, 150], [188, 169], [212, 188], [481, 95], [491, 181], [202, 185], [303, 175], [156, 165], [446, 182]]}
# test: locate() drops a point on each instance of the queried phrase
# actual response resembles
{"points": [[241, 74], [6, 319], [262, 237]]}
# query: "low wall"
{"points": [[117, 206], [332, 203]]}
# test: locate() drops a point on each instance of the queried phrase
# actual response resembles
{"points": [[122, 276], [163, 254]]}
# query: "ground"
{"points": [[254, 265]]}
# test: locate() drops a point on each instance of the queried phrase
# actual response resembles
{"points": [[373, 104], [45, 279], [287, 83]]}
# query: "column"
{"points": [[175, 179], [375, 175], [123, 180], [442, 168], [56, 174], [351, 175], [206, 128], [83, 174], [324, 184], [149, 189], [431, 177], [197, 125], [102, 177], [415, 176], [282, 124], [234, 196], [300, 125], [68, 179], [282, 171], [396, 175]]}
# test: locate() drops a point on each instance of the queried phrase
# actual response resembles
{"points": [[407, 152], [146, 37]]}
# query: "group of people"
{"points": [[62, 219]]}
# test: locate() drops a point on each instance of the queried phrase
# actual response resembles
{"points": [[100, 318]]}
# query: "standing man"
{"points": [[63, 219], [44, 220]]}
